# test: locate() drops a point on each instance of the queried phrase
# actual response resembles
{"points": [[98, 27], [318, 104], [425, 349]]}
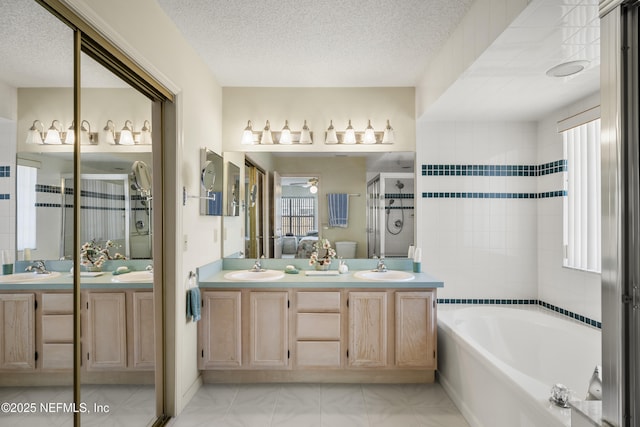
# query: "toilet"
{"points": [[346, 249]]}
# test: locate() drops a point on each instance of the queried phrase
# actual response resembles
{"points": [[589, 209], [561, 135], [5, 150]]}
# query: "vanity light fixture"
{"points": [[126, 134], [285, 134], [53, 134], [313, 189], [349, 135], [145, 133], [247, 135], [332, 136], [305, 135], [109, 132], [85, 134], [369, 135], [34, 136], [389, 136], [266, 137]]}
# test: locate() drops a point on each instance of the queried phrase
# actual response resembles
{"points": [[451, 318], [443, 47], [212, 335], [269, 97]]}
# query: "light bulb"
{"points": [[285, 135], [126, 134], [266, 137], [369, 135], [313, 189], [53, 134], [305, 135], [389, 136], [332, 137], [247, 135], [349, 135]]}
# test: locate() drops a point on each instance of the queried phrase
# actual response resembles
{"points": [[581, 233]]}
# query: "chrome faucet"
{"points": [[38, 267], [149, 268], [381, 267], [257, 267]]}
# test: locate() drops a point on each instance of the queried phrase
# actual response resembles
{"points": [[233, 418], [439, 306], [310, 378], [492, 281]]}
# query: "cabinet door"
{"points": [[17, 343], [107, 339], [268, 329], [220, 330], [367, 329], [144, 351], [415, 330]]}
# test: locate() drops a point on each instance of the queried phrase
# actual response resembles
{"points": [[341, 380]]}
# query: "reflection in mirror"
{"points": [[141, 177], [211, 183], [233, 190], [298, 216]]}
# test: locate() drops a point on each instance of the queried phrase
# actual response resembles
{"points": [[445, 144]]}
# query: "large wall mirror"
{"points": [[328, 195]]}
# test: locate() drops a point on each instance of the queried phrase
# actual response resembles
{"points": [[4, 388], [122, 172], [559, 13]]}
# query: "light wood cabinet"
{"points": [[415, 329], [221, 330], [268, 329], [318, 330], [17, 342], [368, 329], [144, 351], [107, 331], [57, 331]]}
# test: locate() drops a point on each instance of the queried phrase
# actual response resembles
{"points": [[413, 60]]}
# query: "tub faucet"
{"points": [[38, 267], [381, 267]]}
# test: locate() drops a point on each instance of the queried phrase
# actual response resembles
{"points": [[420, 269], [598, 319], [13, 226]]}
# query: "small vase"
{"points": [[322, 267]]}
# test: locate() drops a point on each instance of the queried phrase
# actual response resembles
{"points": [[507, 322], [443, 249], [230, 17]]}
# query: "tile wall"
{"points": [[7, 184], [489, 208]]}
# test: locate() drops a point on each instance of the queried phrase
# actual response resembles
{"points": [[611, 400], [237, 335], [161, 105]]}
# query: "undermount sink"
{"points": [[28, 277], [385, 276], [134, 276], [254, 276]]}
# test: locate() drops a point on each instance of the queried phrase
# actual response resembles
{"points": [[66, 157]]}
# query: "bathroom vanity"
{"points": [[318, 328], [36, 324]]}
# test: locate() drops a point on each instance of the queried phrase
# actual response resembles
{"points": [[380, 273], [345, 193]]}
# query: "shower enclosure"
{"points": [[390, 214]]}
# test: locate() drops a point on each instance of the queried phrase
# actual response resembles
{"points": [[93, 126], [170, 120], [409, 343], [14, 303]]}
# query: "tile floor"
{"points": [[281, 405], [319, 405]]}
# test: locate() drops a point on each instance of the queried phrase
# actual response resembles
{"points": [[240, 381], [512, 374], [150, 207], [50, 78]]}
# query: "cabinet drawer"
{"points": [[318, 326], [318, 301], [322, 353], [57, 303], [57, 328], [57, 356]]}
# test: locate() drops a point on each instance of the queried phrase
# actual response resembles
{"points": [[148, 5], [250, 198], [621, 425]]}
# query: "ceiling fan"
{"points": [[311, 184]]}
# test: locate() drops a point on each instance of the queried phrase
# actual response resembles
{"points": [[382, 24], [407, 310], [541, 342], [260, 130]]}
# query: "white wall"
{"points": [[8, 115], [143, 30], [571, 289], [480, 248]]}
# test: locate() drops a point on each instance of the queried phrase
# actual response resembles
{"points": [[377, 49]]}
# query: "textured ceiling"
{"points": [[316, 43]]}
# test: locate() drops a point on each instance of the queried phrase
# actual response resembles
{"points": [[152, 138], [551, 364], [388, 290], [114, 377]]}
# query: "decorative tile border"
{"points": [[495, 170], [5, 196], [462, 195], [398, 196], [544, 304], [5, 171]]}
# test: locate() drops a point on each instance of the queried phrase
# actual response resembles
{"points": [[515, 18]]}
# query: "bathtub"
{"points": [[498, 363]]}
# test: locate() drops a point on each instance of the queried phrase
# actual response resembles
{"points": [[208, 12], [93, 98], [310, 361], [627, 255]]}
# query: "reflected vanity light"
{"points": [[389, 136], [369, 135], [247, 135], [305, 135], [85, 134], [145, 133], [285, 134], [332, 136], [313, 189], [53, 134], [126, 134], [109, 132], [349, 135], [34, 136], [267, 137]]}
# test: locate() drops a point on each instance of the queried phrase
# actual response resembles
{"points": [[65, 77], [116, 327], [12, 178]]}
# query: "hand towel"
{"points": [[338, 204], [193, 304]]}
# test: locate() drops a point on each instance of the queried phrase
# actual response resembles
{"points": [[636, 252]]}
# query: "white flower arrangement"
{"points": [[93, 255], [329, 253]]}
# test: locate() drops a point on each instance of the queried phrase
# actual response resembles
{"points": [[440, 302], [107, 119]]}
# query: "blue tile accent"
{"points": [[559, 310], [456, 195], [495, 170], [5, 196], [5, 171]]}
